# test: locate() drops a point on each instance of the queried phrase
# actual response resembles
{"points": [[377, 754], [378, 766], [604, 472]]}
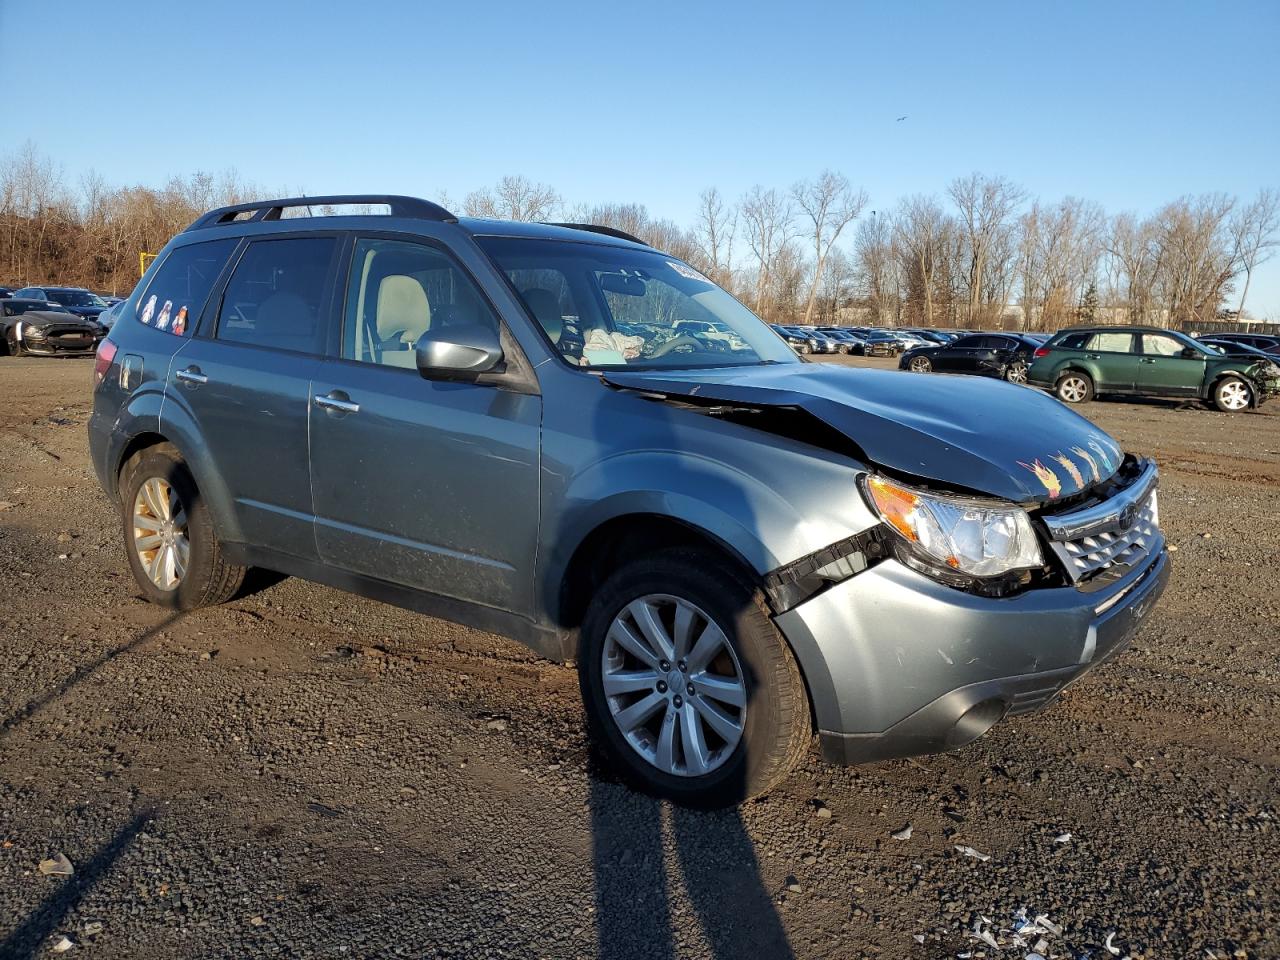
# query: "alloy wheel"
{"points": [[1234, 395], [1073, 389], [674, 685], [921, 365], [1017, 373], [160, 533]]}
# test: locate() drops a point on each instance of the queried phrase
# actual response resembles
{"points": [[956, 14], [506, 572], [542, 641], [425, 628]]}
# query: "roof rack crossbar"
{"points": [[597, 228], [409, 207]]}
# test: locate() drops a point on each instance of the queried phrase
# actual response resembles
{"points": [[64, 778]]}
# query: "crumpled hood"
{"points": [[966, 432]]}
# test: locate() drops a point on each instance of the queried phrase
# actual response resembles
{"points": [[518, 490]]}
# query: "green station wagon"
{"points": [[1084, 362]]}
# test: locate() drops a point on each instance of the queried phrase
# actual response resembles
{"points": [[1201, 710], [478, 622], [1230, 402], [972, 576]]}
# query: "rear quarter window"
{"points": [[1068, 341], [176, 295]]}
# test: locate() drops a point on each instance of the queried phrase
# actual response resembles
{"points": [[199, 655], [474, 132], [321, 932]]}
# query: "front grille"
{"points": [[1106, 540], [1093, 554]]}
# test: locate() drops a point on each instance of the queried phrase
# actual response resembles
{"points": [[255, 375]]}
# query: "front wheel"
{"points": [[173, 552], [920, 365], [1231, 395], [690, 691], [16, 348], [1074, 387]]}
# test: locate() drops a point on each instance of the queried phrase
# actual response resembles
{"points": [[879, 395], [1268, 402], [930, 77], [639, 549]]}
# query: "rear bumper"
{"points": [[898, 665]]}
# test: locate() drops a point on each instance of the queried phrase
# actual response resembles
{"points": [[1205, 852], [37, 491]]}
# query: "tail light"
{"points": [[102, 362], [1041, 352]]}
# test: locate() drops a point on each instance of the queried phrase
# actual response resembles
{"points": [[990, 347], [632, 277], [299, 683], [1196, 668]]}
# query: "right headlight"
{"points": [[981, 538]]}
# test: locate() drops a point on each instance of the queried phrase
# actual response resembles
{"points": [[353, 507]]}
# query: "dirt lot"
{"points": [[301, 773]]}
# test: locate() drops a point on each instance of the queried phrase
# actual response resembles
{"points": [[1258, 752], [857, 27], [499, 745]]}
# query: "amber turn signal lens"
{"points": [[896, 505]]}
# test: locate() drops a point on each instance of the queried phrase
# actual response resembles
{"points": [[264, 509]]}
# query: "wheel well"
{"points": [[613, 542], [143, 441]]}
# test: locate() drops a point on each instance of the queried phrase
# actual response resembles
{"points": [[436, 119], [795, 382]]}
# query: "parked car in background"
{"points": [[850, 342], [1240, 351], [78, 300], [107, 318], [6, 293], [1003, 355], [737, 550], [817, 342], [880, 343], [46, 329], [1266, 342], [801, 345], [1082, 363]]}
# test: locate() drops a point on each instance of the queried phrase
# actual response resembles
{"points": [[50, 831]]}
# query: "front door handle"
{"points": [[1146, 360], [338, 402], [192, 375]]}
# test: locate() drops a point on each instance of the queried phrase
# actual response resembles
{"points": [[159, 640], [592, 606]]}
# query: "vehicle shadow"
{"points": [[29, 937], [82, 672]]}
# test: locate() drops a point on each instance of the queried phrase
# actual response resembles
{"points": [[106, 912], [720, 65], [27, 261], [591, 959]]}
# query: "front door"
{"points": [[1162, 368], [426, 484], [246, 382]]}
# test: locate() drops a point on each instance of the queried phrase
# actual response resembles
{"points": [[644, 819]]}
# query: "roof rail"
{"points": [[597, 228], [411, 207]]}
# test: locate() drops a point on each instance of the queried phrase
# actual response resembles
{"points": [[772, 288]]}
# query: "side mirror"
{"points": [[463, 351], [1191, 353]]}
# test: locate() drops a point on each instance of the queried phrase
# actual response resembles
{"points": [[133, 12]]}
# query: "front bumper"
{"points": [[899, 665]]}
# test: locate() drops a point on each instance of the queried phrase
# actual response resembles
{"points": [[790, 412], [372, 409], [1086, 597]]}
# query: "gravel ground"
{"points": [[302, 773]]}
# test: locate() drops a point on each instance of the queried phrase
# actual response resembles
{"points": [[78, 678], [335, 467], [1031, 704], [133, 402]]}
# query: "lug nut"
{"points": [[689, 690], [679, 701], [684, 667], [662, 686], [664, 665]]}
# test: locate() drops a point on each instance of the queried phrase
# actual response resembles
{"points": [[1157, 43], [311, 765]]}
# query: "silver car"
{"points": [[513, 426]]}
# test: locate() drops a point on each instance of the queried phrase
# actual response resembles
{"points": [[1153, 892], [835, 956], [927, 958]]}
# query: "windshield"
{"points": [[607, 306], [76, 298]]}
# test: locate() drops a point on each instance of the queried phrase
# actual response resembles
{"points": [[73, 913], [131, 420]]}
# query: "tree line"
{"points": [[981, 253]]}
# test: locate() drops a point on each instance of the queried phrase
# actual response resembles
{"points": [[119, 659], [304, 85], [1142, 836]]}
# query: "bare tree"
{"points": [[830, 204], [1255, 229], [514, 198], [767, 217], [877, 266], [717, 224], [919, 228], [986, 208]]}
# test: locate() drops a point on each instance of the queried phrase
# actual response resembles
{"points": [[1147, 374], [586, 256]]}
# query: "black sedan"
{"points": [[46, 329], [1003, 355]]}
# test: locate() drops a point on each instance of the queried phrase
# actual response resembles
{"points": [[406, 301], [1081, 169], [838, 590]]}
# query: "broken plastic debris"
{"points": [[980, 933], [918, 938], [1063, 838], [1048, 925], [1041, 946], [1111, 948], [57, 866], [903, 834], [1034, 956], [970, 852], [63, 945]]}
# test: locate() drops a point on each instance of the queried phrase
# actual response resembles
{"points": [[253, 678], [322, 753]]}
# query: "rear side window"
{"points": [[177, 293], [275, 295], [1111, 342]]}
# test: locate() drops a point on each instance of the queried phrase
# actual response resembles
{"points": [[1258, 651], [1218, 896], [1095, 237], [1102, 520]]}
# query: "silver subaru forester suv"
{"points": [[527, 428]]}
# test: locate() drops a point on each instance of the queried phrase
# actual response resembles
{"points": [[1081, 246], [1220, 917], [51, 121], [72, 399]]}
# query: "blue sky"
{"points": [[1130, 104]]}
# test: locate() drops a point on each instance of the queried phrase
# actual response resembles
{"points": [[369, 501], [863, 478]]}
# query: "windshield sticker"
{"points": [[686, 271], [1088, 459], [1069, 465], [180, 321], [148, 310], [1046, 476], [162, 321]]}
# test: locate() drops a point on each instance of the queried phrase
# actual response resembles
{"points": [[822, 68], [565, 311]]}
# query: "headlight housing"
{"points": [[966, 535]]}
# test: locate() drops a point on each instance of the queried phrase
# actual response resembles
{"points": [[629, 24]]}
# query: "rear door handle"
{"points": [[337, 401], [1092, 356], [192, 375]]}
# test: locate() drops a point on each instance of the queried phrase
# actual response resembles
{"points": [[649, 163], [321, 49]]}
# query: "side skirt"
{"points": [[546, 642]]}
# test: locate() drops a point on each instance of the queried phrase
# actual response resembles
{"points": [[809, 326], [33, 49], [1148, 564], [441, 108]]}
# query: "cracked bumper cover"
{"points": [[899, 665]]}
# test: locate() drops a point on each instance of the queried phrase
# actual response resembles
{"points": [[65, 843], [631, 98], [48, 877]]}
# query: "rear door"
{"points": [[245, 383], [430, 484], [1112, 360], [1162, 369]]}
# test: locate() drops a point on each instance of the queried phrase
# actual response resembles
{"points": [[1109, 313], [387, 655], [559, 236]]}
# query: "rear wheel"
{"points": [[1231, 395], [1074, 387], [691, 692], [1016, 372], [172, 549], [920, 365]]}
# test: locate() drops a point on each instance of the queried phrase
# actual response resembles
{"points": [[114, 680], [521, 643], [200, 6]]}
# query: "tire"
{"points": [[920, 365], [774, 724], [845, 349], [16, 349], [1231, 395], [208, 578], [803, 348], [1074, 387], [1016, 372]]}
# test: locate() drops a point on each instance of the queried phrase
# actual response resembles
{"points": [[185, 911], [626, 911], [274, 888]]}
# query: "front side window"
{"points": [[183, 283], [274, 296], [632, 307], [1159, 345], [400, 290], [1111, 342]]}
